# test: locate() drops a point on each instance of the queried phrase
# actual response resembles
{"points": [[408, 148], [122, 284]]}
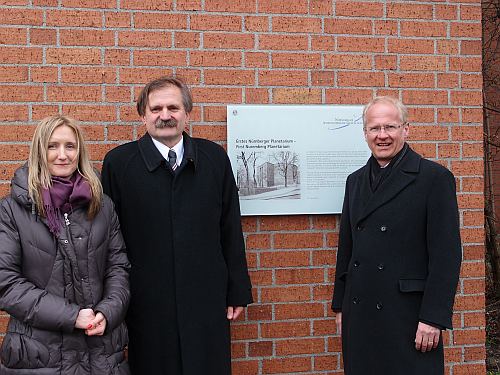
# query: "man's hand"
{"points": [[97, 326], [338, 322], [427, 337], [234, 312]]}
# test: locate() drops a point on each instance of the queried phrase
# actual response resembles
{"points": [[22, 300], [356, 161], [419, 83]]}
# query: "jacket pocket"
{"points": [[21, 351], [411, 285]]}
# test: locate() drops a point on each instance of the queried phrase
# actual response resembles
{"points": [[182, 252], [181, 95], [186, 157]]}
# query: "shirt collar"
{"points": [[178, 148]]}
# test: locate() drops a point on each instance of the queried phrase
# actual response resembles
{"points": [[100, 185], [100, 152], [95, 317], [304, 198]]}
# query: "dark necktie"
{"points": [[172, 158]]}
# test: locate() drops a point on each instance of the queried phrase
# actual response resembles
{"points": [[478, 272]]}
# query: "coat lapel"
{"points": [[400, 177]]}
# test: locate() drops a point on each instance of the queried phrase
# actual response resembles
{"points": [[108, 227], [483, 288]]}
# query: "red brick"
{"points": [[215, 58], [300, 346], [257, 23], [297, 96], [116, 57], [260, 349], [449, 47], [326, 362], [359, 9], [148, 5], [144, 39], [411, 46], [217, 95], [320, 7], [16, 93], [359, 44], [464, 29], [213, 23], [470, 12], [118, 20], [74, 18], [286, 365], [39, 112], [446, 12], [472, 354], [249, 6], [88, 75], [423, 29], [323, 78], [43, 36], [419, 114], [470, 336], [386, 27], [473, 150], [13, 35], [120, 132], [348, 62], [434, 63], [18, 16], [287, 294], [88, 56], [322, 43], [74, 94], [189, 5], [384, 62], [465, 64], [244, 331], [360, 79], [348, 26], [296, 25], [467, 133], [256, 96], [299, 311], [296, 60], [472, 115], [259, 312], [13, 152], [300, 276], [411, 80], [282, 42], [348, 96], [20, 55], [145, 20], [425, 97], [472, 269], [90, 112], [228, 41], [410, 11], [104, 4], [158, 58], [278, 6], [13, 73]]}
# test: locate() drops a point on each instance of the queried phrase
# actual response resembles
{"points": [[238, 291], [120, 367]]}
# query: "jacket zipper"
{"points": [[66, 220]]}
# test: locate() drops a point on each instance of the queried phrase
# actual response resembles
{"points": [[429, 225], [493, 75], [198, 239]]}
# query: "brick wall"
{"points": [[89, 59]]}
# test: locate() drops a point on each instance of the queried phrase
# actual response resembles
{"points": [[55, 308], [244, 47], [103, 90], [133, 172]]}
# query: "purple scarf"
{"points": [[64, 195]]}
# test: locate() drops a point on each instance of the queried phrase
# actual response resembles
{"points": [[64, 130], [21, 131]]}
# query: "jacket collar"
{"points": [[400, 178], [153, 158]]}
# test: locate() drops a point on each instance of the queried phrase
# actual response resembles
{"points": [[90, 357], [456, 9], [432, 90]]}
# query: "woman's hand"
{"points": [[84, 318], [98, 326]]}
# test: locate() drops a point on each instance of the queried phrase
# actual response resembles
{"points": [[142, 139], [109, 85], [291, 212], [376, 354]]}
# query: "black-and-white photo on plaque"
{"points": [[294, 159]]}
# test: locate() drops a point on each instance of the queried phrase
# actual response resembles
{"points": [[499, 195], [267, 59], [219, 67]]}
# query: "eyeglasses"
{"points": [[389, 128]]}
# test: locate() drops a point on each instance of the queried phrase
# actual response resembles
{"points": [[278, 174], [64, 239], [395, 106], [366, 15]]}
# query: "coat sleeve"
{"points": [[343, 254], [444, 251], [116, 293], [19, 296], [233, 246]]}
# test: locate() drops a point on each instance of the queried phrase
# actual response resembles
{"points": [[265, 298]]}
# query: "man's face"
{"points": [[165, 117], [384, 132]]}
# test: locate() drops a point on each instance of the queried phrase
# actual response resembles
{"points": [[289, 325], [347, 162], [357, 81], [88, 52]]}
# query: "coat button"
{"points": [[65, 241], [359, 227], [383, 228], [355, 300], [380, 266], [356, 263], [379, 306]]}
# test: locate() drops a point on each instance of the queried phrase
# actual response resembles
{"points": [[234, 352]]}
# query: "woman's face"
{"points": [[62, 152]]}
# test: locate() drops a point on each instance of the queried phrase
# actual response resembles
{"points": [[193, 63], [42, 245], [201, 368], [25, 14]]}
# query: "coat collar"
{"points": [[153, 158], [400, 177]]}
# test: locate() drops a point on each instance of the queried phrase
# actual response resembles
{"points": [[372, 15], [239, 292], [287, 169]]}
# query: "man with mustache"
{"points": [[179, 211]]}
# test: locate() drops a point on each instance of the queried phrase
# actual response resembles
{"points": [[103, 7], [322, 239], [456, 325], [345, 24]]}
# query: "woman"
{"points": [[63, 267]]}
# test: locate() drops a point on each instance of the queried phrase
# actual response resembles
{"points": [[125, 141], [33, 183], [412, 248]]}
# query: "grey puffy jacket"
{"points": [[45, 281]]}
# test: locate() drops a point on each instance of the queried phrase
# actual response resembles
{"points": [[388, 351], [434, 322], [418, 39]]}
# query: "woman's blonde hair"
{"points": [[38, 170]]}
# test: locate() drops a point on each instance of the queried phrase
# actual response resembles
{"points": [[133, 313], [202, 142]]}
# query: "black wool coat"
{"points": [[184, 241], [398, 263]]}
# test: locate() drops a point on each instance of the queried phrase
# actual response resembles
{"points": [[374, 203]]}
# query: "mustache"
{"points": [[170, 123]]}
